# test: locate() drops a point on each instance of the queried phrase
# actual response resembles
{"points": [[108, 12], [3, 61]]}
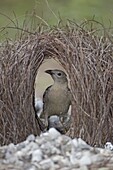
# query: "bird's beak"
{"points": [[49, 72]]}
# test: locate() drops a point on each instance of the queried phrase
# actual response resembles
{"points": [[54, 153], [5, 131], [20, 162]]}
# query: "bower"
{"points": [[88, 61]]}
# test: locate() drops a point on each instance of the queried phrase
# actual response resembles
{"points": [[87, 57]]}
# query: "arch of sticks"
{"points": [[88, 60]]}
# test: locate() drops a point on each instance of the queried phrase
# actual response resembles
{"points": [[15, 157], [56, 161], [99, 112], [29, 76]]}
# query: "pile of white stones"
{"points": [[53, 151]]}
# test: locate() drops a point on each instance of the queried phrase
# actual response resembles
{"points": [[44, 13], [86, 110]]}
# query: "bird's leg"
{"points": [[54, 121], [66, 121], [64, 117]]}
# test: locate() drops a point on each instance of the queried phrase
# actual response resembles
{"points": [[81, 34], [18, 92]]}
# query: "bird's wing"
{"points": [[45, 103], [45, 95], [70, 95]]}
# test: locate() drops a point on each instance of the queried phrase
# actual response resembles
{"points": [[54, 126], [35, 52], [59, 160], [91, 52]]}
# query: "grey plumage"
{"points": [[57, 97]]}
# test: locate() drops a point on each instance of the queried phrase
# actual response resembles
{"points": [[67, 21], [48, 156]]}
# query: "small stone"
{"points": [[11, 148], [82, 142], [38, 106], [32, 168], [85, 160], [53, 133], [97, 158], [83, 168], [37, 156], [19, 154], [109, 146], [31, 138], [22, 145], [47, 164], [58, 158], [2, 152]]}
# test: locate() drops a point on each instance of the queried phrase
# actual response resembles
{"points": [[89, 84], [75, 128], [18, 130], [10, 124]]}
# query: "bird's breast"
{"points": [[58, 101]]}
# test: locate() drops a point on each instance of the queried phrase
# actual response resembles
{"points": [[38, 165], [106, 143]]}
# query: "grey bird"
{"points": [[57, 97]]}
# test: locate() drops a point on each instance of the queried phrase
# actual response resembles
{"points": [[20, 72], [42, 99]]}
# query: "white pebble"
{"points": [[85, 160], [31, 138], [53, 133], [109, 146], [47, 164], [37, 156]]}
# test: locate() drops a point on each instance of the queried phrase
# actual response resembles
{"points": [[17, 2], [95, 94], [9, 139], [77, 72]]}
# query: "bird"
{"points": [[57, 97]]}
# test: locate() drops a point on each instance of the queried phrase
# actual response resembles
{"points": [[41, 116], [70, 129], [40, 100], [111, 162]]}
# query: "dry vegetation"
{"points": [[88, 60]]}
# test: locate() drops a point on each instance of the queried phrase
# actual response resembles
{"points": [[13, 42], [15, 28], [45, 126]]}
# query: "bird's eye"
{"points": [[59, 74]]}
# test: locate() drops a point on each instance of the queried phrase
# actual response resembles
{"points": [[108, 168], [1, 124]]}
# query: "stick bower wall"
{"points": [[87, 59]]}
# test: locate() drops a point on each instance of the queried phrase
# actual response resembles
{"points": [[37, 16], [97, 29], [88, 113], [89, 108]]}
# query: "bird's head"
{"points": [[58, 76]]}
